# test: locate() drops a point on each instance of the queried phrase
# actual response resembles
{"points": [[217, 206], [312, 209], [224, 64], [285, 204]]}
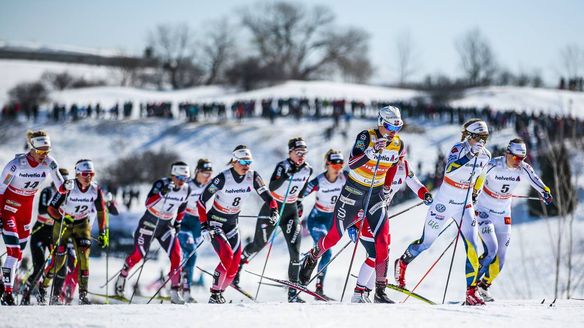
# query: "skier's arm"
{"points": [[7, 176], [534, 180], [456, 160], [303, 190], [212, 188], [389, 180], [155, 194], [100, 207], [279, 176], [44, 200], [55, 204], [57, 177], [310, 187], [414, 183], [361, 152], [262, 190]]}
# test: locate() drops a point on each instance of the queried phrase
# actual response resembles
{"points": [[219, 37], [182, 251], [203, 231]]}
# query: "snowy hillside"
{"points": [[561, 102]]}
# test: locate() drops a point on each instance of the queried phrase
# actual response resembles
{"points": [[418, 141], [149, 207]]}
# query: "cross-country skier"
{"points": [[380, 146], [167, 200], [190, 230], [493, 208], [296, 168], [41, 238], [466, 160], [231, 188], [71, 211], [394, 180], [21, 178], [327, 186]]}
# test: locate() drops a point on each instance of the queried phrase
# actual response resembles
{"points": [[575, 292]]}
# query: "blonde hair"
{"points": [[33, 134]]}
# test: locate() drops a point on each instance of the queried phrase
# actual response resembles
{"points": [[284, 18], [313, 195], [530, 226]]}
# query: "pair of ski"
{"points": [[320, 297], [234, 286], [127, 300]]}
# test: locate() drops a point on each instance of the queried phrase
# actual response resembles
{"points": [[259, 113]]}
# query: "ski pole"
{"points": [[107, 251], [366, 208], [526, 197], [175, 271], [460, 226], [407, 209], [274, 235], [254, 216]]}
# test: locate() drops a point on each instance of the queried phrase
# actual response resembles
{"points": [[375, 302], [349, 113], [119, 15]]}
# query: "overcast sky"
{"points": [[524, 34]]}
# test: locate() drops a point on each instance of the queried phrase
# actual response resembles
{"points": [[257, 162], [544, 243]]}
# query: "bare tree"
{"points": [[406, 57], [572, 61], [476, 58], [173, 46], [218, 48], [303, 42]]}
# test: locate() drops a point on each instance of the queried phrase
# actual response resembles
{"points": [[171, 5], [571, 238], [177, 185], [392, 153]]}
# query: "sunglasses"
{"points": [[392, 128], [479, 137], [336, 166], [244, 162], [182, 178], [517, 158], [87, 174], [301, 153], [41, 152]]}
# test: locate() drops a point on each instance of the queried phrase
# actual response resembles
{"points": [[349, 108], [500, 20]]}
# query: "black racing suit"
{"points": [[289, 220]]}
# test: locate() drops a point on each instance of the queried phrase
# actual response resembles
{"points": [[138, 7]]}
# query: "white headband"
{"points": [[85, 166], [518, 149], [242, 154], [41, 141], [336, 157], [478, 127], [180, 170]]}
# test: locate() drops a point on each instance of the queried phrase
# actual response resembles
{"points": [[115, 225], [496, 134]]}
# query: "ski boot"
{"points": [[472, 298], [216, 297], [361, 295], [68, 295], [25, 295], [55, 300], [120, 286], [380, 295], [399, 272], [308, 264], [7, 298], [293, 296], [175, 296], [483, 289], [42, 295], [319, 290], [187, 296], [83, 300]]}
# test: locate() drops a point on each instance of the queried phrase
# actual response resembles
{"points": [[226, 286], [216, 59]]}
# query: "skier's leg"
{"points": [[166, 236], [235, 243], [13, 251], [291, 228], [82, 243], [187, 245], [489, 239], [223, 249], [503, 232], [142, 239], [263, 232], [469, 232], [436, 217]]}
